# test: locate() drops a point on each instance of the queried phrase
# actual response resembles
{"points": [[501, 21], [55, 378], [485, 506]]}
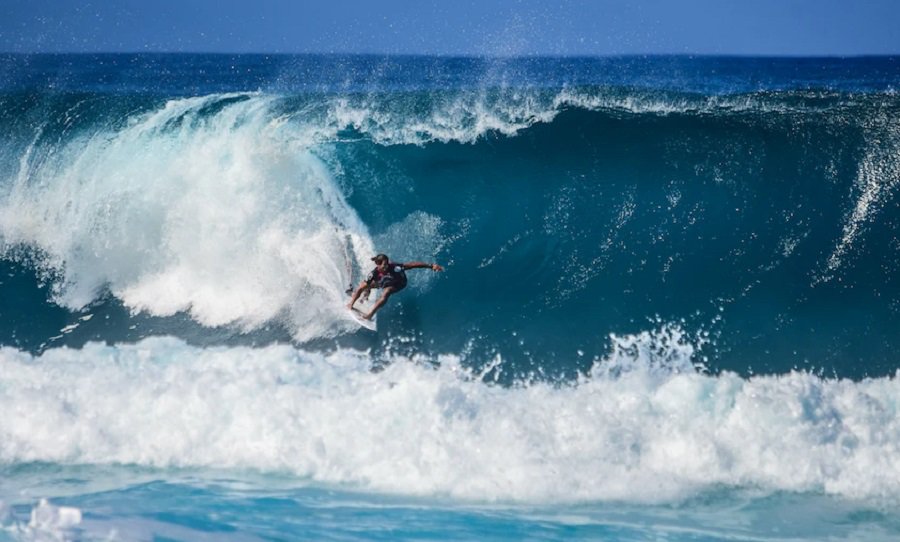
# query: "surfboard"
{"points": [[363, 306], [358, 316]]}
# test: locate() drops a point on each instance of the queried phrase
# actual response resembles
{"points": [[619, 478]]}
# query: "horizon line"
{"points": [[468, 56]]}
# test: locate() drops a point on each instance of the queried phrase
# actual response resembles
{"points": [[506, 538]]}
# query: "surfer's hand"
{"points": [[435, 267]]}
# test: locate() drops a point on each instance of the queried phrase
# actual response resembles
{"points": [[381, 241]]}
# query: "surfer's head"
{"points": [[380, 260]]}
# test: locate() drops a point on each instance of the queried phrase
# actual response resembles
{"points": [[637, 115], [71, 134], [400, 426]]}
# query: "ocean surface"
{"points": [[670, 308]]}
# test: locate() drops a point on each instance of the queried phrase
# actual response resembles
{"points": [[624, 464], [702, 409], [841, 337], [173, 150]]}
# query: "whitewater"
{"points": [[669, 307]]}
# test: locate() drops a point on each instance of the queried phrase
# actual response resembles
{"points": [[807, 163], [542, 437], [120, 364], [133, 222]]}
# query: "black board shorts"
{"points": [[396, 283]]}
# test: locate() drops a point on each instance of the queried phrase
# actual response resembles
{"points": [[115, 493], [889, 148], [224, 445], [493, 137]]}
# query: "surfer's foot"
{"points": [[368, 316], [350, 306]]}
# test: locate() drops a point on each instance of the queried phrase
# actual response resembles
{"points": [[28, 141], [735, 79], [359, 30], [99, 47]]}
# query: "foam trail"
{"points": [[877, 176], [209, 205], [642, 427]]}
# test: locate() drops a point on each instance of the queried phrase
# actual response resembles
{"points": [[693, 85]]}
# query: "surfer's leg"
{"points": [[386, 293]]}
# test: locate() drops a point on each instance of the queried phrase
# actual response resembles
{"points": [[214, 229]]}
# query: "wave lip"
{"points": [[648, 432]]}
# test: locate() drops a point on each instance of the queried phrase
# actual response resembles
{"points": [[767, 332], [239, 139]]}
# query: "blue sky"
{"points": [[464, 27]]}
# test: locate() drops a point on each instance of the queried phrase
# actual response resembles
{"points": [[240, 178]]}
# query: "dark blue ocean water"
{"points": [[669, 307]]}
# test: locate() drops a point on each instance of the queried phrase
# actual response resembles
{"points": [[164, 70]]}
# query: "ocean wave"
{"points": [[644, 425], [251, 211]]}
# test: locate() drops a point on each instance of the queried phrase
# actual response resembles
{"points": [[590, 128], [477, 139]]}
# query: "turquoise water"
{"points": [[235, 506], [668, 311]]}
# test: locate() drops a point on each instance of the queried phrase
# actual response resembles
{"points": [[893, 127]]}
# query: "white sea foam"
{"points": [[643, 426], [464, 117], [226, 215], [47, 523], [47, 517]]}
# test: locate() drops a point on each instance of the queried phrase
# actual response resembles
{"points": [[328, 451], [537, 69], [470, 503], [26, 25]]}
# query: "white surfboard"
{"points": [[358, 316], [364, 306]]}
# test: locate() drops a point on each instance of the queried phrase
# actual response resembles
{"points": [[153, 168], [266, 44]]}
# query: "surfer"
{"points": [[390, 277]]}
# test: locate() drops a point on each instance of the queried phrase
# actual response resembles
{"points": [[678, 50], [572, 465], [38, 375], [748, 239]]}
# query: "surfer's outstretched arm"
{"points": [[422, 265]]}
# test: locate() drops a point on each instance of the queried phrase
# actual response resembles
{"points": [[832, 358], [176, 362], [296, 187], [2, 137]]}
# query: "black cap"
{"points": [[380, 258]]}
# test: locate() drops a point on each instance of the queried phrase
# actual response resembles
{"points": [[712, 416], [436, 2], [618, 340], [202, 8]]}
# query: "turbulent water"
{"points": [[669, 308]]}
